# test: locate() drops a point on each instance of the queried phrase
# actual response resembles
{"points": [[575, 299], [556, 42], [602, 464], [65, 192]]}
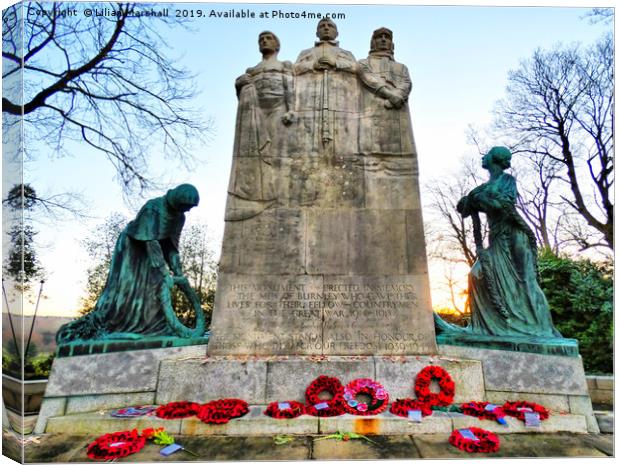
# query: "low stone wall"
{"points": [[601, 389]]}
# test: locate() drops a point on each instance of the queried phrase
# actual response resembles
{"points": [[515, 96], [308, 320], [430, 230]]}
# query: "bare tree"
{"points": [[99, 245], [537, 201], [449, 236], [454, 240], [101, 80], [598, 15], [559, 110], [53, 207]]}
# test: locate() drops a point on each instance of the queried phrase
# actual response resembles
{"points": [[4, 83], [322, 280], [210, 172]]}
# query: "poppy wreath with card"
{"points": [[402, 407], [422, 388], [484, 411], [175, 410], [136, 411], [317, 407], [379, 398], [519, 408], [483, 441], [280, 410], [223, 410], [116, 445]]}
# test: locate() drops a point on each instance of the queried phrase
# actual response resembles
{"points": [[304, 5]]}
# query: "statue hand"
{"points": [[181, 281], [396, 101], [288, 118], [325, 62]]}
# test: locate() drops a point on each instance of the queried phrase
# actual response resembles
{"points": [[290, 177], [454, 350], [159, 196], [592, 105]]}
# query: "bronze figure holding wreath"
{"points": [[504, 295], [135, 301]]}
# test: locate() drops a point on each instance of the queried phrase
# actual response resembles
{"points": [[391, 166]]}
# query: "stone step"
{"points": [[605, 420], [255, 423]]}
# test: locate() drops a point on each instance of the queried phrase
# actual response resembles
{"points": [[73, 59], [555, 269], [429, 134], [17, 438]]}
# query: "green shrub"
{"points": [[580, 294], [36, 367]]}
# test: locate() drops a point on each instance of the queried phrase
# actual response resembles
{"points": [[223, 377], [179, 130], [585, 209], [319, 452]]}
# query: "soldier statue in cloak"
{"points": [[135, 301]]}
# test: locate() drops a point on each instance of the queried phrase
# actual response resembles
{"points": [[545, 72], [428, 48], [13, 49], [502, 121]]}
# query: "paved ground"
{"points": [[61, 448]]}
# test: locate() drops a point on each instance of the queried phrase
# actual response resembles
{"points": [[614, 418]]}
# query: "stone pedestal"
{"points": [[80, 407], [91, 383], [557, 382]]}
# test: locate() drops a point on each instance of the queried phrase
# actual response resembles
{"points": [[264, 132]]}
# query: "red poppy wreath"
{"points": [[402, 407], [484, 411], [474, 439], [284, 410], [318, 407], [518, 409], [445, 396], [115, 445], [223, 410], [174, 410], [379, 398]]}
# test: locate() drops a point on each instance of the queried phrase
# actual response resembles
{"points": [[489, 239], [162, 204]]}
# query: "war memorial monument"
{"points": [[323, 271]]}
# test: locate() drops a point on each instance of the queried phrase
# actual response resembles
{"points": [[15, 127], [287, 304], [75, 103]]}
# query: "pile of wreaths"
{"points": [[327, 397]]}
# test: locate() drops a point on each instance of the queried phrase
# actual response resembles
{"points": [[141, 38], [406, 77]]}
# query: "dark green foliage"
{"points": [[580, 294], [21, 196], [37, 366], [22, 263]]}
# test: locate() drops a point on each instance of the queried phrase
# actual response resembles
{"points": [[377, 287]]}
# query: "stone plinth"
{"points": [[89, 383], [261, 380], [536, 345], [479, 375], [557, 382]]}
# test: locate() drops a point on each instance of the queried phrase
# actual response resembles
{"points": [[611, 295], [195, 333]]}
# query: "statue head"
{"points": [[183, 197], [268, 42], [499, 156], [382, 41], [326, 29]]}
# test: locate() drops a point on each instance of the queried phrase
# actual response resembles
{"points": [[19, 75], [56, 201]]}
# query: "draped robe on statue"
{"points": [[130, 304], [504, 295]]}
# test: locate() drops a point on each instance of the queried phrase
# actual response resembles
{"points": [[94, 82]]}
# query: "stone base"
{"points": [[557, 382], [124, 345], [89, 383], [261, 380], [80, 386], [256, 423], [546, 346]]}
